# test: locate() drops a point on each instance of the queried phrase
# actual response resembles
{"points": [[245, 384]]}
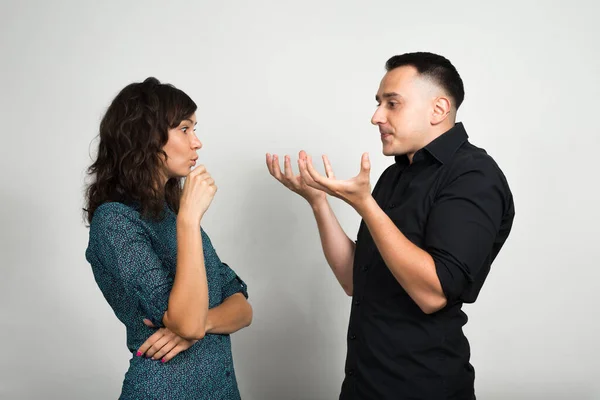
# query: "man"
{"points": [[430, 230]]}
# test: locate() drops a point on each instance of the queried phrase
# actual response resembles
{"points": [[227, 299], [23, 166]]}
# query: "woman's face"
{"points": [[181, 148]]}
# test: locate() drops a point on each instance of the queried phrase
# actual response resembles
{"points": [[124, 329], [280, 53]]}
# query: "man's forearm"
{"points": [[337, 246], [230, 316], [412, 267]]}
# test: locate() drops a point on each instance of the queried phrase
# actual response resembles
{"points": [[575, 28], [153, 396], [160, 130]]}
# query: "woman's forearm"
{"points": [[188, 302], [230, 316]]}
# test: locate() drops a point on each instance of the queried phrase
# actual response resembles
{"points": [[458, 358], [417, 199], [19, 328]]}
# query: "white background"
{"points": [[275, 76]]}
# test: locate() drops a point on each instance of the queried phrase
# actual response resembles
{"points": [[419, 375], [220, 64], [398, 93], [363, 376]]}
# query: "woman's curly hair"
{"points": [[130, 157]]}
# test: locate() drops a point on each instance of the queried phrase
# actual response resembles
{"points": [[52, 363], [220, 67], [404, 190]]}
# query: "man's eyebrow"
{"points": [[388, 95]]}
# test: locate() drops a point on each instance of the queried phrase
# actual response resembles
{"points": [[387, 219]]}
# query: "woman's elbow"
{"points": [[196, 332], [189, 330], [249, 315]]}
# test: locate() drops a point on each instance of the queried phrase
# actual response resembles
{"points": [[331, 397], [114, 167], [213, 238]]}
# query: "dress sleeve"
{"points": [[232, 283], [124, 250]]}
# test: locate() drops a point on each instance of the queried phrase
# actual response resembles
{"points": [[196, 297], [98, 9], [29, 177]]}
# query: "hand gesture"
{"points": [[294, 183], [355, 191]]}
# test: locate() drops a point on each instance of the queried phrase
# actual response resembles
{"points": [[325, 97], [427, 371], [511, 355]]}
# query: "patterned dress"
{"points": [[134, 261]]}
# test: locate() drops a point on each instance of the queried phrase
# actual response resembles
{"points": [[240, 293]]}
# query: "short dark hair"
{"points": [[435, 67], [130, 153]]}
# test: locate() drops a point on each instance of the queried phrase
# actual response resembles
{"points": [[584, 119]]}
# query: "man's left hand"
{"points": [[355, 191]]}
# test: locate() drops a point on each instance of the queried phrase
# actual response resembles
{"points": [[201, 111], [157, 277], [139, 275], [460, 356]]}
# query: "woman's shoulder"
{"points": [[112, 214]]}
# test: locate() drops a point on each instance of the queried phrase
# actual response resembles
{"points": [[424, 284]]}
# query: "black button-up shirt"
{"points": [[453, 202]]}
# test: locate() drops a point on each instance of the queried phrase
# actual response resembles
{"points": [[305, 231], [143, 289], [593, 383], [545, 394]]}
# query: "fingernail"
{"points": [[163, 360], [139, 354]]}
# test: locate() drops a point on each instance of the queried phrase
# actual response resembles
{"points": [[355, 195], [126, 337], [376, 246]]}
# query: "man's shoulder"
{"points": [[472, 168], [470, 158]]}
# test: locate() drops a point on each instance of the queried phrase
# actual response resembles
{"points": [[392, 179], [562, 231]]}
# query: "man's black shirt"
{"points": [[454, 202]]}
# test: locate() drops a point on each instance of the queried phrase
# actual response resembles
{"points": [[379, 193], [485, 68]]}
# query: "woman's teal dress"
{"points": [[134, 261]]}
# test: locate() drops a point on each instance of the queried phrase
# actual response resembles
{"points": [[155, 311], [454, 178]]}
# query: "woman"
{"points": [[151, 259]]}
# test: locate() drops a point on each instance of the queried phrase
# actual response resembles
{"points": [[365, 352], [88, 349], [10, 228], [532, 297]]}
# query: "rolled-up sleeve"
{"points": [[463, 225], [232, 283], [124, 250]]}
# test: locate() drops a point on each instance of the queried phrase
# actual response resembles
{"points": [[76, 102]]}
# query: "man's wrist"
{"points": [[366, 206], [318, 205]]}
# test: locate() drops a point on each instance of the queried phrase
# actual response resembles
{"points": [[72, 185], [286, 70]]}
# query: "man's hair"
{"points": [[433, 66]]}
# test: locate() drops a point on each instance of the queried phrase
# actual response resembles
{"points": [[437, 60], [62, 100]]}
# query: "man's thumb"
{"points": [[365, 164]]}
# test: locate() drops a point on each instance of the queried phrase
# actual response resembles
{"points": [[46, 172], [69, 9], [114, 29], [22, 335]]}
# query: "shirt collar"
{"points": [[443, 147]]}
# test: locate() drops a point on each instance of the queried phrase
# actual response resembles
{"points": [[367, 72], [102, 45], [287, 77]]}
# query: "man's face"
{"points": [[405, 106]]}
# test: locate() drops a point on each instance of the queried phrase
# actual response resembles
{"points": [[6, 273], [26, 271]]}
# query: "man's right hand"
{"points": [[293, 182]]}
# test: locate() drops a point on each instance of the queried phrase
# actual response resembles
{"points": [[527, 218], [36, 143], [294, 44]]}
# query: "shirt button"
{"points": [[365, 268], [352, 337], [350, 372], [356, 302]]}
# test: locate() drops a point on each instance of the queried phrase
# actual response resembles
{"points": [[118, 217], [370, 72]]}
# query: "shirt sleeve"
{"points": [[463, 225], [125, 251], [232, 283]]}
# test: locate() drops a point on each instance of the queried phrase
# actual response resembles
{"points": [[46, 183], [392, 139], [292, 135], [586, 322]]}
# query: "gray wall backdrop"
{"points": [[280, 76]]}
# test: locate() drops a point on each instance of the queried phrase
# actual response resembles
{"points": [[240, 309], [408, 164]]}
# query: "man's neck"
{"points": [[435, 132]]}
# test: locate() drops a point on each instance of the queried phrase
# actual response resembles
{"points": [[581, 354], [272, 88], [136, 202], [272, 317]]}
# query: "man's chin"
{"points": [[392, 152], [388, 151]]}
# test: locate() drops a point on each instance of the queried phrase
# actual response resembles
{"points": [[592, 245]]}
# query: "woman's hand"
{"points": [[198, 192], [163, 344]]}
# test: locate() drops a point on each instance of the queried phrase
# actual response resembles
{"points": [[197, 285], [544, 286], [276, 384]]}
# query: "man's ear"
{"points": [[442, 106]]}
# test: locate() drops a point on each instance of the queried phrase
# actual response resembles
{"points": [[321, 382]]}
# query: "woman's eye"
{"points": [[184, 129]]}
